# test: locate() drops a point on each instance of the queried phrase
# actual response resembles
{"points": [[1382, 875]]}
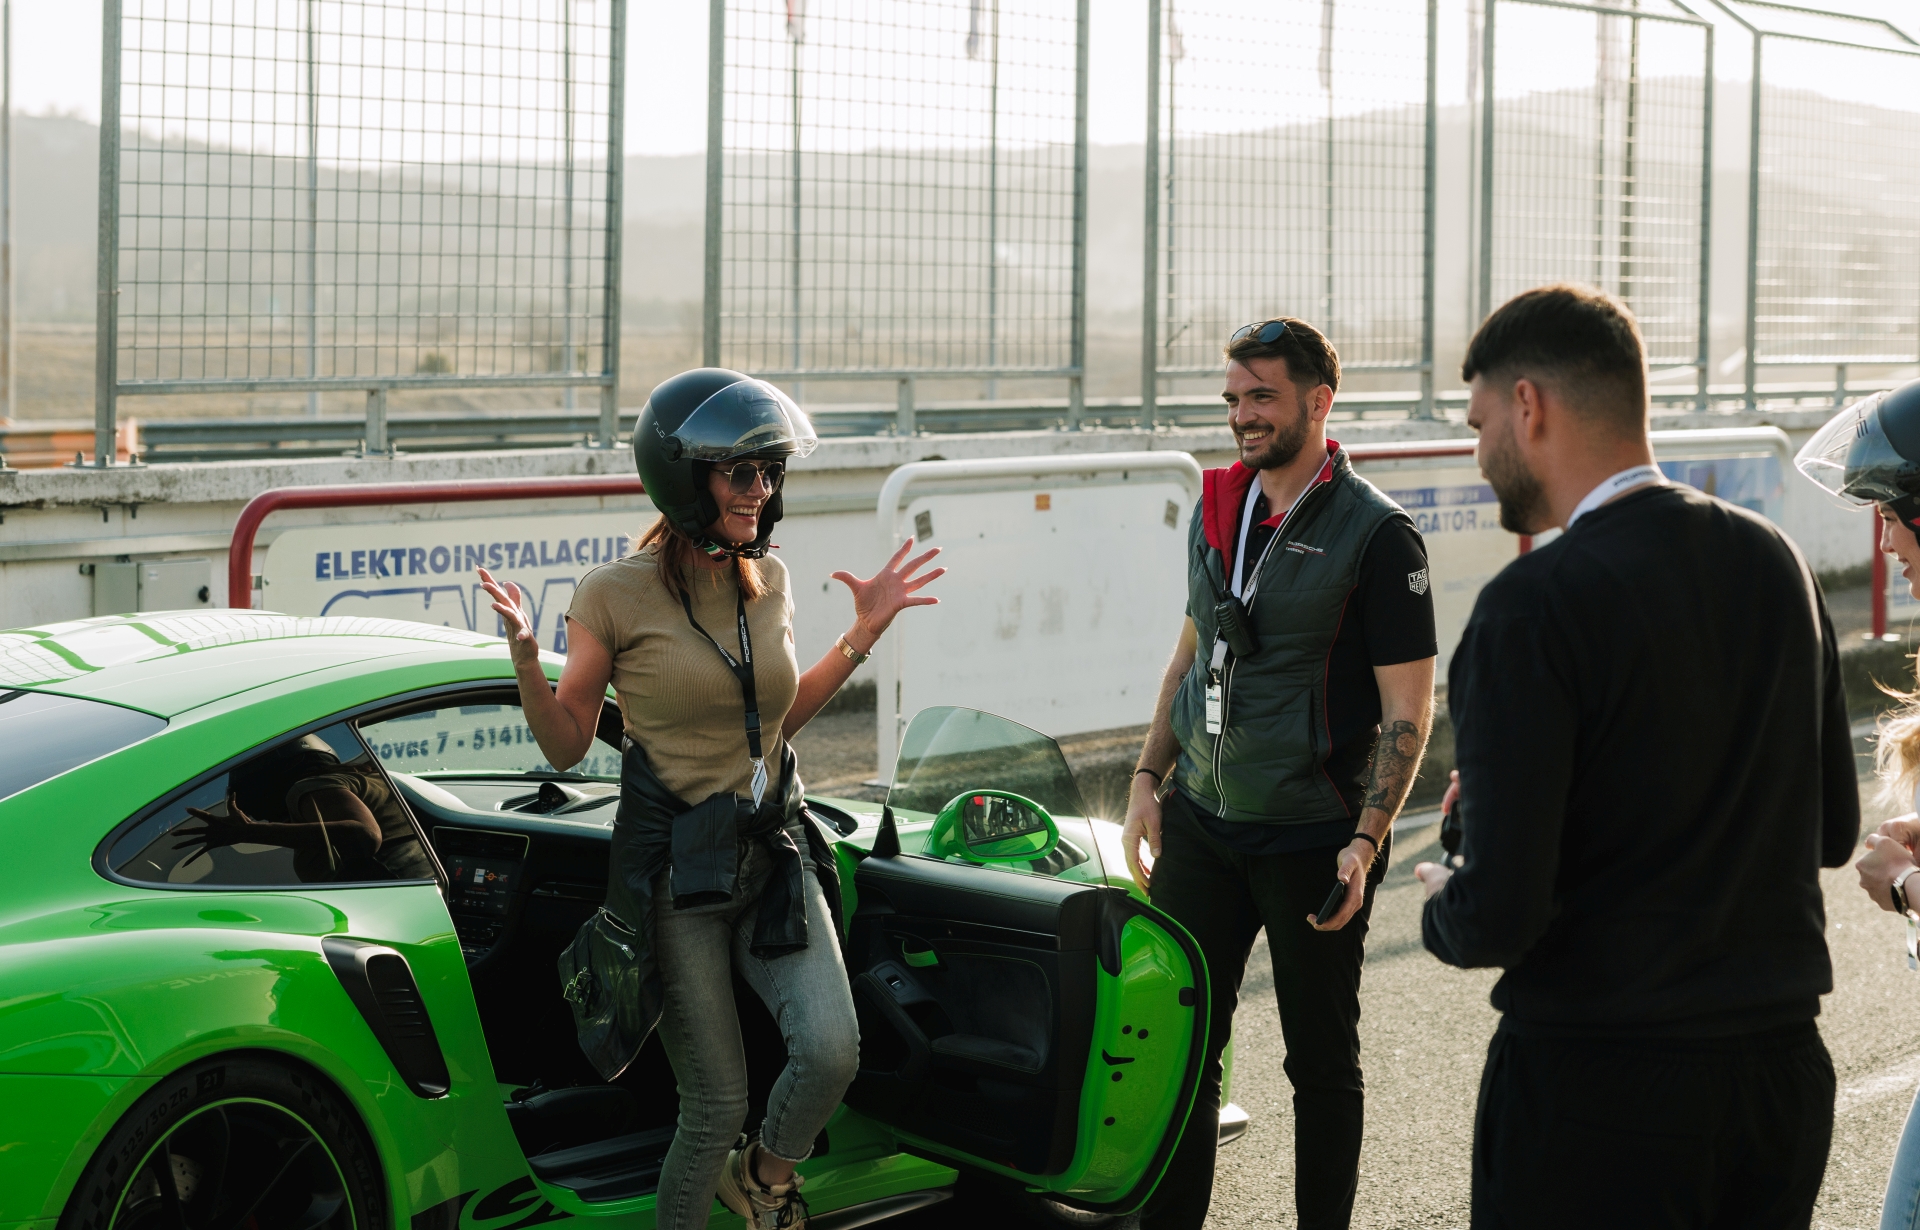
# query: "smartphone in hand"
{"points": [[1335, 899]]}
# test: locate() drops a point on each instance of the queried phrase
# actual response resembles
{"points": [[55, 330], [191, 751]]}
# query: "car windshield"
{"points": [[949, 751], [42, 736]]}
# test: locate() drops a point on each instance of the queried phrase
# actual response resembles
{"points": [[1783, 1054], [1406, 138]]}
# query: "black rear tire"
{"points": [[231, 1138]]}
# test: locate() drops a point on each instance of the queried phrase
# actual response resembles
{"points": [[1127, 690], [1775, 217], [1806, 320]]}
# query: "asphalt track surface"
{"points": [[1424, 1031]]}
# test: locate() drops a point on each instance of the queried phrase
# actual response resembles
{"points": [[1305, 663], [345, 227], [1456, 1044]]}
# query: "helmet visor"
{"points": [[748, 416], [1852, 457]]}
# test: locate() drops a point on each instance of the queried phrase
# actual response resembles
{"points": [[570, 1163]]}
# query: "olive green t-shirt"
{"points": [[677, 696]]}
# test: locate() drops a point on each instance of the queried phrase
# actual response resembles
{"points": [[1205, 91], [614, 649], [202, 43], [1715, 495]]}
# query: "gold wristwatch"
{"points": [[853, 655]]}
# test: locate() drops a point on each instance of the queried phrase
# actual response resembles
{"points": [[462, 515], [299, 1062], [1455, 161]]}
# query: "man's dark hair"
{"points": [[1306, 350], [1582, 341]]}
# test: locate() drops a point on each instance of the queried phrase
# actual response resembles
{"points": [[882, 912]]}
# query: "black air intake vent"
{"points": [[381, 985]]}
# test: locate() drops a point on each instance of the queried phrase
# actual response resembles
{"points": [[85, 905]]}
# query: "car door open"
{"points": [[1020, 1015]]}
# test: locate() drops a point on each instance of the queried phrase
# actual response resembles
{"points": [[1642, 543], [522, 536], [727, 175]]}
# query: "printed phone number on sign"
{"points": [[434, 748]]}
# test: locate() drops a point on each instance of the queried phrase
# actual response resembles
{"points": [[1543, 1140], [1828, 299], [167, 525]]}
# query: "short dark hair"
{"points": [[1304, 348], [1583, 341]]}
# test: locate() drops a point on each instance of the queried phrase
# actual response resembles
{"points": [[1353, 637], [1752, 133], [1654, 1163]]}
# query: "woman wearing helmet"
{"points": [[715, 865], [1870, 454]]}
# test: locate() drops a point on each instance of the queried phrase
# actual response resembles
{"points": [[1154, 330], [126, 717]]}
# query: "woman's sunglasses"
{"points": [[740, 475], [1265, 332]]}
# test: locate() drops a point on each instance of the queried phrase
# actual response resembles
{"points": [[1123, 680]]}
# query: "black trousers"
{"points": [[1224, 898], [1710, 1134]]}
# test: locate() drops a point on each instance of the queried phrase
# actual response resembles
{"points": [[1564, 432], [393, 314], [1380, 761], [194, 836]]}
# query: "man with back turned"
{"points": [[1654, 763]]}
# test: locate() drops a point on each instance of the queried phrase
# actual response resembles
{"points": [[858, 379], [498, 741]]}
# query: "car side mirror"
{"points": [[993, 826]]}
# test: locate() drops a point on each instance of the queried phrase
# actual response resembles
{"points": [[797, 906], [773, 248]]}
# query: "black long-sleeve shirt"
{"points": [[1654, 763]]}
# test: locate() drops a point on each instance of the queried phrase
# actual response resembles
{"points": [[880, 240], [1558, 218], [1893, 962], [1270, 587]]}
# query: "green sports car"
{"points": [[284, 901]]}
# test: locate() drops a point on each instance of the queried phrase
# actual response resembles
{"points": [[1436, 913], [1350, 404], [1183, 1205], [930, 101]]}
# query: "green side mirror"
{"points": [[993, 826]]}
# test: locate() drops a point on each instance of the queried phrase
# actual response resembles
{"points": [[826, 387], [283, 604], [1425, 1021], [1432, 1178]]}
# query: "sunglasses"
{"points": [[741, 474], [1268, 332]]}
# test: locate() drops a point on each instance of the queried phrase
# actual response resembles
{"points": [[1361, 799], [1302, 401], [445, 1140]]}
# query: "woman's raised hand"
{"points": [[888, 592], [506, 600]]}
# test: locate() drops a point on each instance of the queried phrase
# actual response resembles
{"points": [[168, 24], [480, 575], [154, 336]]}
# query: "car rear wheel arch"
{"points": [[264, 1085]]}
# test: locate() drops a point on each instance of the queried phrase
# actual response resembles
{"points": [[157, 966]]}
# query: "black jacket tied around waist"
{"points": [[610, 973]]}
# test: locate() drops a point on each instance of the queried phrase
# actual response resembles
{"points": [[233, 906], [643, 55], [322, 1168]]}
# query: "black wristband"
{"points": [[1157, 779], [1366, 837]]}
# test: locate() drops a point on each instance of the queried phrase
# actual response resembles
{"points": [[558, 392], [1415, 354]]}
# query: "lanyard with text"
{"points": [[742, 669]]}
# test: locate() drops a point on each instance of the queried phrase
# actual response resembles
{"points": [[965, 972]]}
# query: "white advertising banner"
{"points": [[427, 571], [1458, 516], [1061, 603]]}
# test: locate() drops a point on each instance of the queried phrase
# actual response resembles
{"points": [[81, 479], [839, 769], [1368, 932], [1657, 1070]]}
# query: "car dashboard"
{"points": [[517, 851]]}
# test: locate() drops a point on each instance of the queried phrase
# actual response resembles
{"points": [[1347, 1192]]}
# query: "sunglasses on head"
{"points": [[740, 475], [1266, 332]]}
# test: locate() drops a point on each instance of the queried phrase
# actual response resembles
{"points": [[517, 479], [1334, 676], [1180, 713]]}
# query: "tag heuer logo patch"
{"points": [[1417, 581]]}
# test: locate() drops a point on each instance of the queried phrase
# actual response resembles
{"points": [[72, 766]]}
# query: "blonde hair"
{"points": [[677, 556], [1896, 752]]}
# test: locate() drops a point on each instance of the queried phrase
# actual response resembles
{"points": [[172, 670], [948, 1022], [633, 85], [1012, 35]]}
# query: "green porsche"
{"points": [[285, 897]]}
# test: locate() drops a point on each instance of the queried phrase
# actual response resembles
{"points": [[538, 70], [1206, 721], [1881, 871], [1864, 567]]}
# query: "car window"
{"points": [[42, 736], [475, 739], [315, 809]]}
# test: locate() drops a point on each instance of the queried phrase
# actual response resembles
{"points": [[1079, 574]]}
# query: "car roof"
{"points": [[169, 662]]}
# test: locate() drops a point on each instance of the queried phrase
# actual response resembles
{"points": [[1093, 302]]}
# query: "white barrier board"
{"points": [[1063, 599], [1459, 519], [426, 570]]}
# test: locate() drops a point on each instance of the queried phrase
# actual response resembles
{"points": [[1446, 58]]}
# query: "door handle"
{"points": [[919, 1050]]}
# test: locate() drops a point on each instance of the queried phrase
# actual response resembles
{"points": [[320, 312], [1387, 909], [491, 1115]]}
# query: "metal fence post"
{"points": [[106, 373], [616, 155], [716, 164], [7, 407], [312, 230], [1484, 307], [1753, 229], [1430, 234], [375, 441], [1705, 325], [903, 417], [1150, 255], [1077, 356]]}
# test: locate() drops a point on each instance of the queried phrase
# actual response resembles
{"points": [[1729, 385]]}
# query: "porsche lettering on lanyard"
{"points": [[742, 669]]}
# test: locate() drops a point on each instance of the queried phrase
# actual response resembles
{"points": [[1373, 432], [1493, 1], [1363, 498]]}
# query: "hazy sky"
{"points": [[57, 58]]}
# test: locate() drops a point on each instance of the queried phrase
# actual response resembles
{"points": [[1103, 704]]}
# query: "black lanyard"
{"points": [[742, 669]]}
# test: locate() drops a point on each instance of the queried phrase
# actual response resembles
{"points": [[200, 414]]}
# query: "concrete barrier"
{"points": [[56, 525]]}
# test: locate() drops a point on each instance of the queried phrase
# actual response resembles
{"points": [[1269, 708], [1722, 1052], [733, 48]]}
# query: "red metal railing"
{"points": [[458, 491]]}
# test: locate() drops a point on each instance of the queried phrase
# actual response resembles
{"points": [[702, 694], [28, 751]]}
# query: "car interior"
{"points": [[975, 988]]}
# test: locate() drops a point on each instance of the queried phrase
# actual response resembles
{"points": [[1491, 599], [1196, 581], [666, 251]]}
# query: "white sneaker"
{"points": [[762, 1207]]}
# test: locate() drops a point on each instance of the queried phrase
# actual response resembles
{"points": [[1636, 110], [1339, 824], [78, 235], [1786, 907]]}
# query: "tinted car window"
{"points": [[310, 810], [467, 739], [42, 736]]}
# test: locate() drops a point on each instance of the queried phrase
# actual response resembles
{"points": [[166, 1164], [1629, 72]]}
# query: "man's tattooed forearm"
{"points": [[1395, 757]]}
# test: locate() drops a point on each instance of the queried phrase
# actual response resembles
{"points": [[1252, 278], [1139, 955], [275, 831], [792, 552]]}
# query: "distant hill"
{"points": [[664, 231]]}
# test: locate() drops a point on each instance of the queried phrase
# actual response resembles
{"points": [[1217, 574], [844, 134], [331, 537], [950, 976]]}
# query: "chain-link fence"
{"points": [[1596, 162], [1833, 251], [359, 195], [1291, 174], [897, 190]]}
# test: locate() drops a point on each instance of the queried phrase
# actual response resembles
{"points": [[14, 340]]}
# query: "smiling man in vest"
{"points": [[1289, 728]]}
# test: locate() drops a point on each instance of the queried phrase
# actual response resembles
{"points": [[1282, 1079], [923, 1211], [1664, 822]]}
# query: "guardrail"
{"points": [[240, 574], [195, 440]]}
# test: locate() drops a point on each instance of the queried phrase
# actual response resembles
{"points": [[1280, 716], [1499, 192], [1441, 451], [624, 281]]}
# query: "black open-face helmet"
{"points": [[706, 416], [1869, 453]]}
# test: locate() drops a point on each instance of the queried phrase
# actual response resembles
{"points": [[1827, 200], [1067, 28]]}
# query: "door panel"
{"points": [[1048, 1030]]}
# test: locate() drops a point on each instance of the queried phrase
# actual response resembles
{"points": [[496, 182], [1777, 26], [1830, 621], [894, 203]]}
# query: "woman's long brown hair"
{"points": [[1896, 754], [678, 556]]}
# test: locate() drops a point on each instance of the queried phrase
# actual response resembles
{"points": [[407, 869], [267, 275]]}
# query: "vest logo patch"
{"points": [[1417, 581], [1301, 548]]}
